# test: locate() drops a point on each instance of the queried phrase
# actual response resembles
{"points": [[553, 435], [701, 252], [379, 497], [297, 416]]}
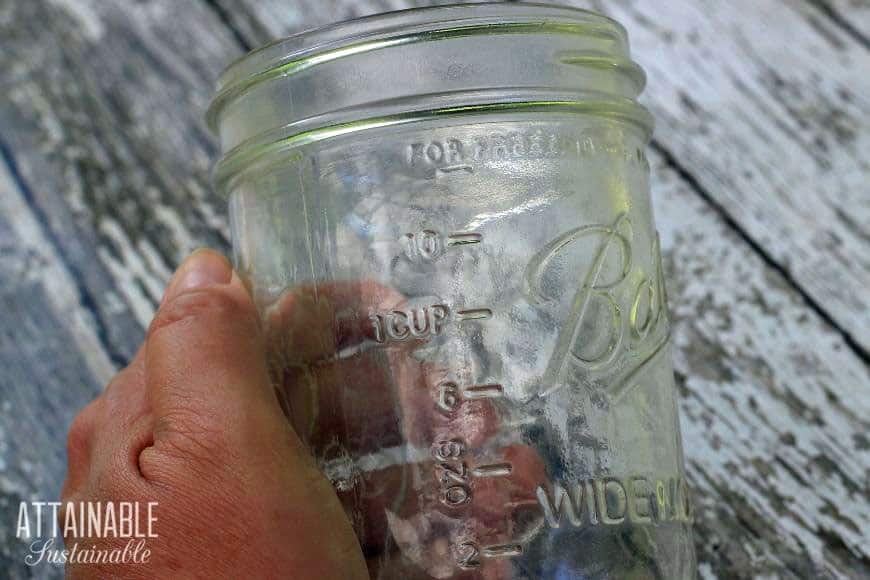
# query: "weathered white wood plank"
{"points": [[103, 109], [853, 15], [101, 121], [765, 104], [263, 20], [774, 407]]}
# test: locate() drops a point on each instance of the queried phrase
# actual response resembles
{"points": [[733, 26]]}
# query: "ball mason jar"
{"points": [[444, 218]]}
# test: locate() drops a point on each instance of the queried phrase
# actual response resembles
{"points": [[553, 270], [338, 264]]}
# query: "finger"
{"points": [[395, 564], [311, 323], [336, 393], [409, 505], [220, 438], [378, 399], [425, 421], [126, 425], [204, 348], [104, 424], [205, 368], [365, 406], [506, 504], [125, 395], [343, 406], [79, 448], [365, 398]]}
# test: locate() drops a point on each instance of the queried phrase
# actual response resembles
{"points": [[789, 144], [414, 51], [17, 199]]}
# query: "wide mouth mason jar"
{"points": [[444, 217]]}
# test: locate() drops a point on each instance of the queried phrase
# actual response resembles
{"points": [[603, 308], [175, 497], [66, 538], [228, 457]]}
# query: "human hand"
{"points": [[194, 424]]}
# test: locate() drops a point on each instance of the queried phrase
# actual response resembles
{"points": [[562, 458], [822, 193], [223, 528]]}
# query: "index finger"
{"points": [[313, 322], [204, 351]]}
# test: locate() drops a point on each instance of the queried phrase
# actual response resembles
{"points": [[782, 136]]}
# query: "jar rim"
{"points": [[285, 56], [267, 148]]}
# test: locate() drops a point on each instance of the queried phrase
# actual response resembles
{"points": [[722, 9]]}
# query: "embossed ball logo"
{"points": [[630, 303]]}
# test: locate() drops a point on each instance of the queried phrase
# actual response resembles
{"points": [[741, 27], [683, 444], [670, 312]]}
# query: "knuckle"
{"points": [[81, 431], [122, 378], [117, 390], [181, 462], [114, 480], [210, 303], [186, 435]]}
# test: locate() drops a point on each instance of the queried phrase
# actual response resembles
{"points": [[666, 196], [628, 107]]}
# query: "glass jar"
{"points": [[444, 218]]}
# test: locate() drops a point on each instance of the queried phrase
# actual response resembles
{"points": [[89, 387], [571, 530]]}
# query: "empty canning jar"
{"points": [[444, 218]]}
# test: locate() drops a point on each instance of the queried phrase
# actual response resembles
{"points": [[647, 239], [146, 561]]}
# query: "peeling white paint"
{"points": [[734, 421], [132, 260], [180, 233], [140, 304], [762, 104]]}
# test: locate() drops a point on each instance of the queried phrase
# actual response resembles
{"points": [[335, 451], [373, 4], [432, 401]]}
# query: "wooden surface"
{"points": [[761, 181]]}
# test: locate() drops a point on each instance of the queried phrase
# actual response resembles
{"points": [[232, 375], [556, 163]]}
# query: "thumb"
{"points": [[221, 446], [205, 365]]}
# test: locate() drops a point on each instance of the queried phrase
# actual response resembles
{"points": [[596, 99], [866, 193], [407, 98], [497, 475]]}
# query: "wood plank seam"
{"points": [[834, 16], [693, 183], [86, 298], [225, 19]]}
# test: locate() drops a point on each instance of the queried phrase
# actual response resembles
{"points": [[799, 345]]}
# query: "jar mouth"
{"points": [[268, 148], [422, 64], [290, 55]]}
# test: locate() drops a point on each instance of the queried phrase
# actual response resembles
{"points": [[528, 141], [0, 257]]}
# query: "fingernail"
{"points": [[202, 268]]}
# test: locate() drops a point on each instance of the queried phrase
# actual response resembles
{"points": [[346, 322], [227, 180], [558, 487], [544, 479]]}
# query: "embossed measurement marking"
{"points": [[450, 395], [401, 325], [429, 245], [473, 314], [459, 239], [483, 391], [453, 471], [502, 551], [469, 553], [493, 470], [454, 168], [420, 322]]}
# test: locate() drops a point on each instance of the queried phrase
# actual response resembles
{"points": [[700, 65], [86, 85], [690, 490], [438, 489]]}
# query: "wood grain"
{"points": [[771, 120], [760, 192], [774, 407], [52, 364], [103, 188], [852, 15]]}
